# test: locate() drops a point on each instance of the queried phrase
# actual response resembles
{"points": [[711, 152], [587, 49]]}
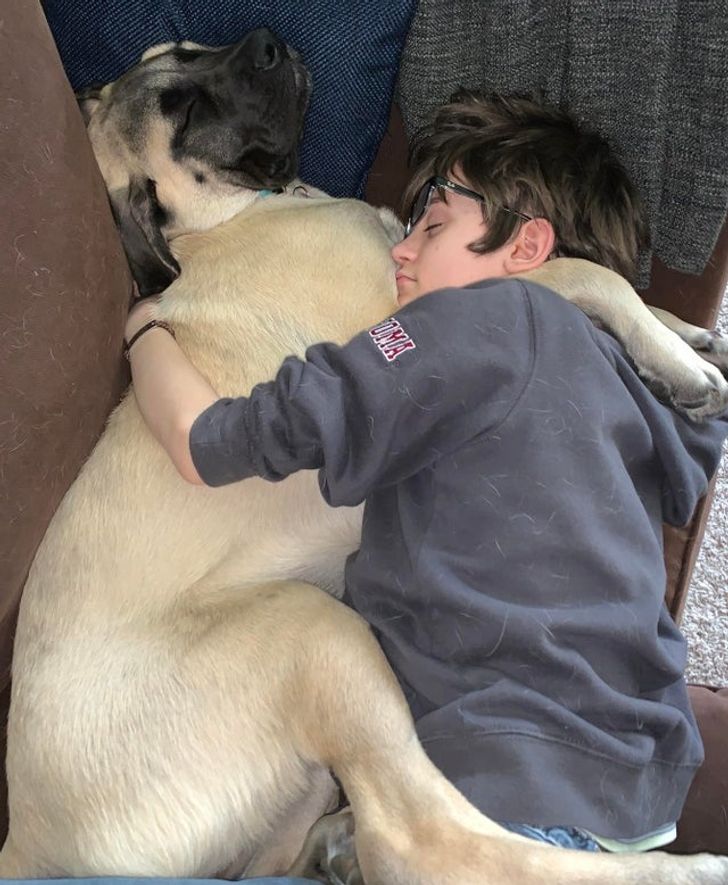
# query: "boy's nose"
{"points": [[402, 251]]}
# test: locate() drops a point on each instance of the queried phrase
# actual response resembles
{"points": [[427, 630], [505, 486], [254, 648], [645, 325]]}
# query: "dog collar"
{"points": [[298, 191]]}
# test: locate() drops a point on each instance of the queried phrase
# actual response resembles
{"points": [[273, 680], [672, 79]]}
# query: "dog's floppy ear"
{"points": [[140, 220], [88, 101]]}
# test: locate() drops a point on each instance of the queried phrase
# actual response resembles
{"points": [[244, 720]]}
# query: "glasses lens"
{"points": [[419, 207]]}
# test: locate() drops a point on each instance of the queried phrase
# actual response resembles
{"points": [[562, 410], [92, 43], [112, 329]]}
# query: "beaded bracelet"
{"points": [[152, 324]]}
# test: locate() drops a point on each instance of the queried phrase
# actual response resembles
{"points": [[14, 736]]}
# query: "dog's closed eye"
{"points": [[269, 164], [175, 99], [179, 104]]}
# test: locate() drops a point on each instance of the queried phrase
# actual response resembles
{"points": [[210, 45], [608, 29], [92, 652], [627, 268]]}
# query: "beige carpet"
{"points": [[705, 621]]}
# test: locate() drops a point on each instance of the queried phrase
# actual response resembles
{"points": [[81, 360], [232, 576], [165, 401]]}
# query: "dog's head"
{"points": [[187, 136]]}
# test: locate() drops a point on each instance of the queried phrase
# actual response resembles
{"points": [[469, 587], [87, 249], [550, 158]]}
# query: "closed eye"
{"points": [[186, 121], [433, 226], [179, 103]]}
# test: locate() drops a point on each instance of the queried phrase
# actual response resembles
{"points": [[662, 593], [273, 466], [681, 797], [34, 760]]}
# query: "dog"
{"points": [[184, 678]]}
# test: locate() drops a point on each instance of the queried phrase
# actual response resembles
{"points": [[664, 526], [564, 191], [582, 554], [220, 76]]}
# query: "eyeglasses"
{"points": [[424, 197]]}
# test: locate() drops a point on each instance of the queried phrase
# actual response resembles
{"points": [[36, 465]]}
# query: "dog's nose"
{"points": [[266, 50]]}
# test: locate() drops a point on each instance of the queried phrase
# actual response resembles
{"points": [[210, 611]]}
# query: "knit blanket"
{"points": [[650, 76]]}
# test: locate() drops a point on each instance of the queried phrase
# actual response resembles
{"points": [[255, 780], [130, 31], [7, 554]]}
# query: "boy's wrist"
{"points": [[147, 327], [140, 314]]}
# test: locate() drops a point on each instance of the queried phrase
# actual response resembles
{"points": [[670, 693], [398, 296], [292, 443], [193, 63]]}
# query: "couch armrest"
{"points": [[64, 293]]}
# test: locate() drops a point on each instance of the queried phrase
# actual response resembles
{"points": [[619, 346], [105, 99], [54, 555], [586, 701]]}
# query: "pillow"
{"points": [[351, 49]]}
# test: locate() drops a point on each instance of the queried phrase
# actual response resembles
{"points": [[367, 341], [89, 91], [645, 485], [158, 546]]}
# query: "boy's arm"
{"points": [[383, 407], [170, 392]]}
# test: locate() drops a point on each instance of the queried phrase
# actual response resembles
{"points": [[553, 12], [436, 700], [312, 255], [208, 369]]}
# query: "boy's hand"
{"points": [[141, 313]]}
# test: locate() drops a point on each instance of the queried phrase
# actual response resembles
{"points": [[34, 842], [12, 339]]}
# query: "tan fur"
{"points": [[181, 682]]}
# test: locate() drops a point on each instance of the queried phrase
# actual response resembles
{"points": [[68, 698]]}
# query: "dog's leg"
{"points": [[275, 854], [412, 826], [711, 345], [328, 856], [275, 683], [666, 362]]}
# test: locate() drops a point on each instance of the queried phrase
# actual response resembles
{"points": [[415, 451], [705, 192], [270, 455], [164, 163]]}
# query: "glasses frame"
{"points": [[437, 182]]}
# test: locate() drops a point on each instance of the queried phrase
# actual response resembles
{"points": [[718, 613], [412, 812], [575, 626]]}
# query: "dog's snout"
{"points": [[268, 56], [266, 50], [278, 166]]}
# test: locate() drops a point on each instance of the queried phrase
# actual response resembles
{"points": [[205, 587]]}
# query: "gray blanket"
{"points": [[651, 75]]}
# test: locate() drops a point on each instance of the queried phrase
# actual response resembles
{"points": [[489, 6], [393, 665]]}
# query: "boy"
{"points": [[516, 473]]}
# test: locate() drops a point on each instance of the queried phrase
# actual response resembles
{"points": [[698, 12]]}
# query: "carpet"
{"points": [[705, 619]]}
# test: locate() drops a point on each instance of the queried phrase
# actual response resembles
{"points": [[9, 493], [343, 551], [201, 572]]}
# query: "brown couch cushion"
{"points": [[64, 292], [703, 825]]}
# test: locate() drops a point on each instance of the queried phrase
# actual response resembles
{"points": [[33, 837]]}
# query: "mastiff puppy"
{"points": [[184, 678]]}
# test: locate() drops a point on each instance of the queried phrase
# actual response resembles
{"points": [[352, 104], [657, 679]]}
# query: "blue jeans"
{"points": [[564, 837]]}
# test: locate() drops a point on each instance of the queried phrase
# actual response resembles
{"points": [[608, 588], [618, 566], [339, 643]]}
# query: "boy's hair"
{"points": [[518, 152]]}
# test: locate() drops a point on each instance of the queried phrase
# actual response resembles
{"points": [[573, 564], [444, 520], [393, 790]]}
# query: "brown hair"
{"points": [[520, 153]]}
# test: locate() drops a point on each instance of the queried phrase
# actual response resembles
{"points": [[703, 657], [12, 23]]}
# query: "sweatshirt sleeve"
{"points": [[443, 370]]}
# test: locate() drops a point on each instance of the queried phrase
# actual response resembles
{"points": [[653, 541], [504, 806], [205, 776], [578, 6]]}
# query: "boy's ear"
{"points": [[532, 246]]}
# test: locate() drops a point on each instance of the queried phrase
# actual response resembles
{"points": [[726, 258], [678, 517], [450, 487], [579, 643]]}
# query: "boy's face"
{"points": [[435, 255]]}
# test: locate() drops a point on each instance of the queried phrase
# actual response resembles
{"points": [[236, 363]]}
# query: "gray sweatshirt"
{"points": [[516, 474]]}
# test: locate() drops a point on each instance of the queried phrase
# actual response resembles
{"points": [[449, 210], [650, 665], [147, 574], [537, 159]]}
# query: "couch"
{"points": [[65, 289]]}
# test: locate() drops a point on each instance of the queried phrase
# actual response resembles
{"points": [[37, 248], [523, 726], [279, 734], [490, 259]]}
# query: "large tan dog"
{"points": [[182, 685]]}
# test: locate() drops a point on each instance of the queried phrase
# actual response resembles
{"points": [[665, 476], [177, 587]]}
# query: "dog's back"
{"points": [[137, 564]]}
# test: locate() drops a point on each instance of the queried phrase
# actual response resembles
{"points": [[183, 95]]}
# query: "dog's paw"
{"points": [[670, 356], [700, 393], [713, 347], [329, 853]]}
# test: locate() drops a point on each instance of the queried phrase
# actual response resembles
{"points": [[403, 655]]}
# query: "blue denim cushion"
{"points": [[351, 48]]}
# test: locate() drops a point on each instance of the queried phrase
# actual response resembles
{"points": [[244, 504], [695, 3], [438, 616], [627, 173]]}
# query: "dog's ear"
{"points": [[140, 219], [88, 101]]}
